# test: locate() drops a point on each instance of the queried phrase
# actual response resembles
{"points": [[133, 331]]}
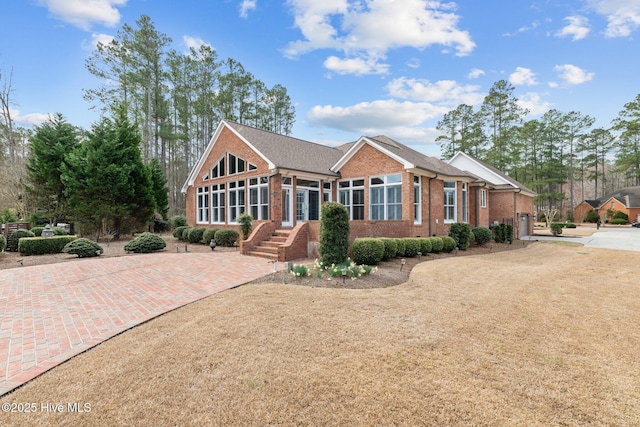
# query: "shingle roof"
{"points": [[290, 153], [501, 174], [630, 196]]}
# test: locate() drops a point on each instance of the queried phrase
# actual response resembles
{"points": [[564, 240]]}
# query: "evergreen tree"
{"points": [[159, 188], [51, 144], [628, 144], [106, 181]]}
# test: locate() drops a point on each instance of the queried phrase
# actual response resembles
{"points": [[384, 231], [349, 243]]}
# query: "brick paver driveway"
{"points": [[52, 312]]}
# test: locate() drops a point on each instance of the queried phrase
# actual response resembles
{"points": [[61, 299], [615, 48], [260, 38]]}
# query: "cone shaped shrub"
{"points": [[334, 233]]}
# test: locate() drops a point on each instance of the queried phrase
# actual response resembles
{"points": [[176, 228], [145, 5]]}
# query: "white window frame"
{"points": [[483, 198], [417, 199], [202, 205], [218, 209], [236, 190], [326, 191], [259, 198], [346, 190], [450, 187], [218, 167], [390, 185], [465, 203]]}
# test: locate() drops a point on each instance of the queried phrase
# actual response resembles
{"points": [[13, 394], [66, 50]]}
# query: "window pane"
{"points": [[358, 182], [392, 179], [376, 181]]}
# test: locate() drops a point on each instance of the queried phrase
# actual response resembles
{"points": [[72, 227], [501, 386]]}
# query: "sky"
{"points": [[351, 67]]}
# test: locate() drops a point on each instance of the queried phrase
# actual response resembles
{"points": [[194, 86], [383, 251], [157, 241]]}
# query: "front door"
{"points": [[302, 205]]}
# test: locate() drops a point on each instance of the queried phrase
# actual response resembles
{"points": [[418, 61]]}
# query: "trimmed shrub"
{"points": [[570, 225], [436, 244], [159, 224], [618, 221], [185, 234], [334, 233], [481, 235], [402, 247], [390, 248], [208, 235], [177, 232], [592, 216], [503, 233], [3, 243], [621, 215], [42, 245], [59, 231], [245, 221], [448, 244], [556, 228], [145, 243], [14, 238], [367, 250], [460, 232], [37, 231], [411, 247], [83, 247], [178, 221], [226, 237], [195, 235], [425, 245]]}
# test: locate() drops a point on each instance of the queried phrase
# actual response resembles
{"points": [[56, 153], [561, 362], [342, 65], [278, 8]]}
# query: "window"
{"points": [[259, 198], [351, 195], [449, 201], [326, 195], [236, 200], [218, 169], [236, 164], [203, 205], [386, 197], [464, 203], [483, 198], [417, 200], [217, 203]]}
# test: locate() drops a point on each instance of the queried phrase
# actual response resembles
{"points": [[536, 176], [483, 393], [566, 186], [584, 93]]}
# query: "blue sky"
{"points": [[351, 67]]}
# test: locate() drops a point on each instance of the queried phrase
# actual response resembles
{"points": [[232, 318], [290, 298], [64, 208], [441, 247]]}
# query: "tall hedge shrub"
{"points": [[334, 233]]}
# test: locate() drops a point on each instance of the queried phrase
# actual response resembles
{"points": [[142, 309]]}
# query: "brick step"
{"points": [[277, 239], [268, 249], [271, 243], [263, 254]]}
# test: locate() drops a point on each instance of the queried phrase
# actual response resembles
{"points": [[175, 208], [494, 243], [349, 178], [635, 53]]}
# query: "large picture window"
{"points": [[217, 203], [236, 200], [385, 200], [351, 195], [259, 198], [449, 201], [203, 205]]}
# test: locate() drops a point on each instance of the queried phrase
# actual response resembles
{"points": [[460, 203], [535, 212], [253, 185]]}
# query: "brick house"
{"points": [[388, 188], [625, 200]]}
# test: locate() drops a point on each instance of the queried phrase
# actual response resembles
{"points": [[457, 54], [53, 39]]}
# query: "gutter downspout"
{"points": [[430, 212]]}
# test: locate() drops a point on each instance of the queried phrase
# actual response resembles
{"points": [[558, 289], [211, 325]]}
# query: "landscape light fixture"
{"points": [[21, 262], [344, 274], [212, 245], [402, 263], [419, 255], [177, 248]]}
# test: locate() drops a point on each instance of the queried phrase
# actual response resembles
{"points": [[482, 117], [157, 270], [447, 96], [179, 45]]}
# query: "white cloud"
{"points": [[193, 42], [445, 92], [356, 66], [105, 39], [33, 119], [523, 77], [573, 75], [534, 103], [533, 26], [577, 28], [246, 6], [623, 16], [476, 73], [413, 63], [83, 13], [368, 29]]}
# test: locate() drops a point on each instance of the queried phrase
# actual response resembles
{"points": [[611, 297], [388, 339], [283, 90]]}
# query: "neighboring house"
{"points": [[625, 200], [511, 202], [388, 189]]}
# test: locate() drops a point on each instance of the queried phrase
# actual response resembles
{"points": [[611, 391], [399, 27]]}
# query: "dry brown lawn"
{"points": [[547, 335]]}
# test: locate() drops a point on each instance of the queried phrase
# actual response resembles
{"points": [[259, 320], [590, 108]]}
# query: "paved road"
{"points": [[621, 238], [50, 313]]}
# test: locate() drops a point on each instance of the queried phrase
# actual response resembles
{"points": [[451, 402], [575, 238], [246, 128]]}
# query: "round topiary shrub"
{"points": [[448, 244], [178, 221], [460, 232], [37, 231], [226, 237], [177, 232], [482, 235], [334, 233], [185, 234], [425, 245], [14, 238], [208, 235], [390, 248], [411, 247], [367, 251], [592, 216], [401, 247], [436, 244], [145, 243], [59, 231], [84, 248], [3, 243], [195, 235], [556, 228]]}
